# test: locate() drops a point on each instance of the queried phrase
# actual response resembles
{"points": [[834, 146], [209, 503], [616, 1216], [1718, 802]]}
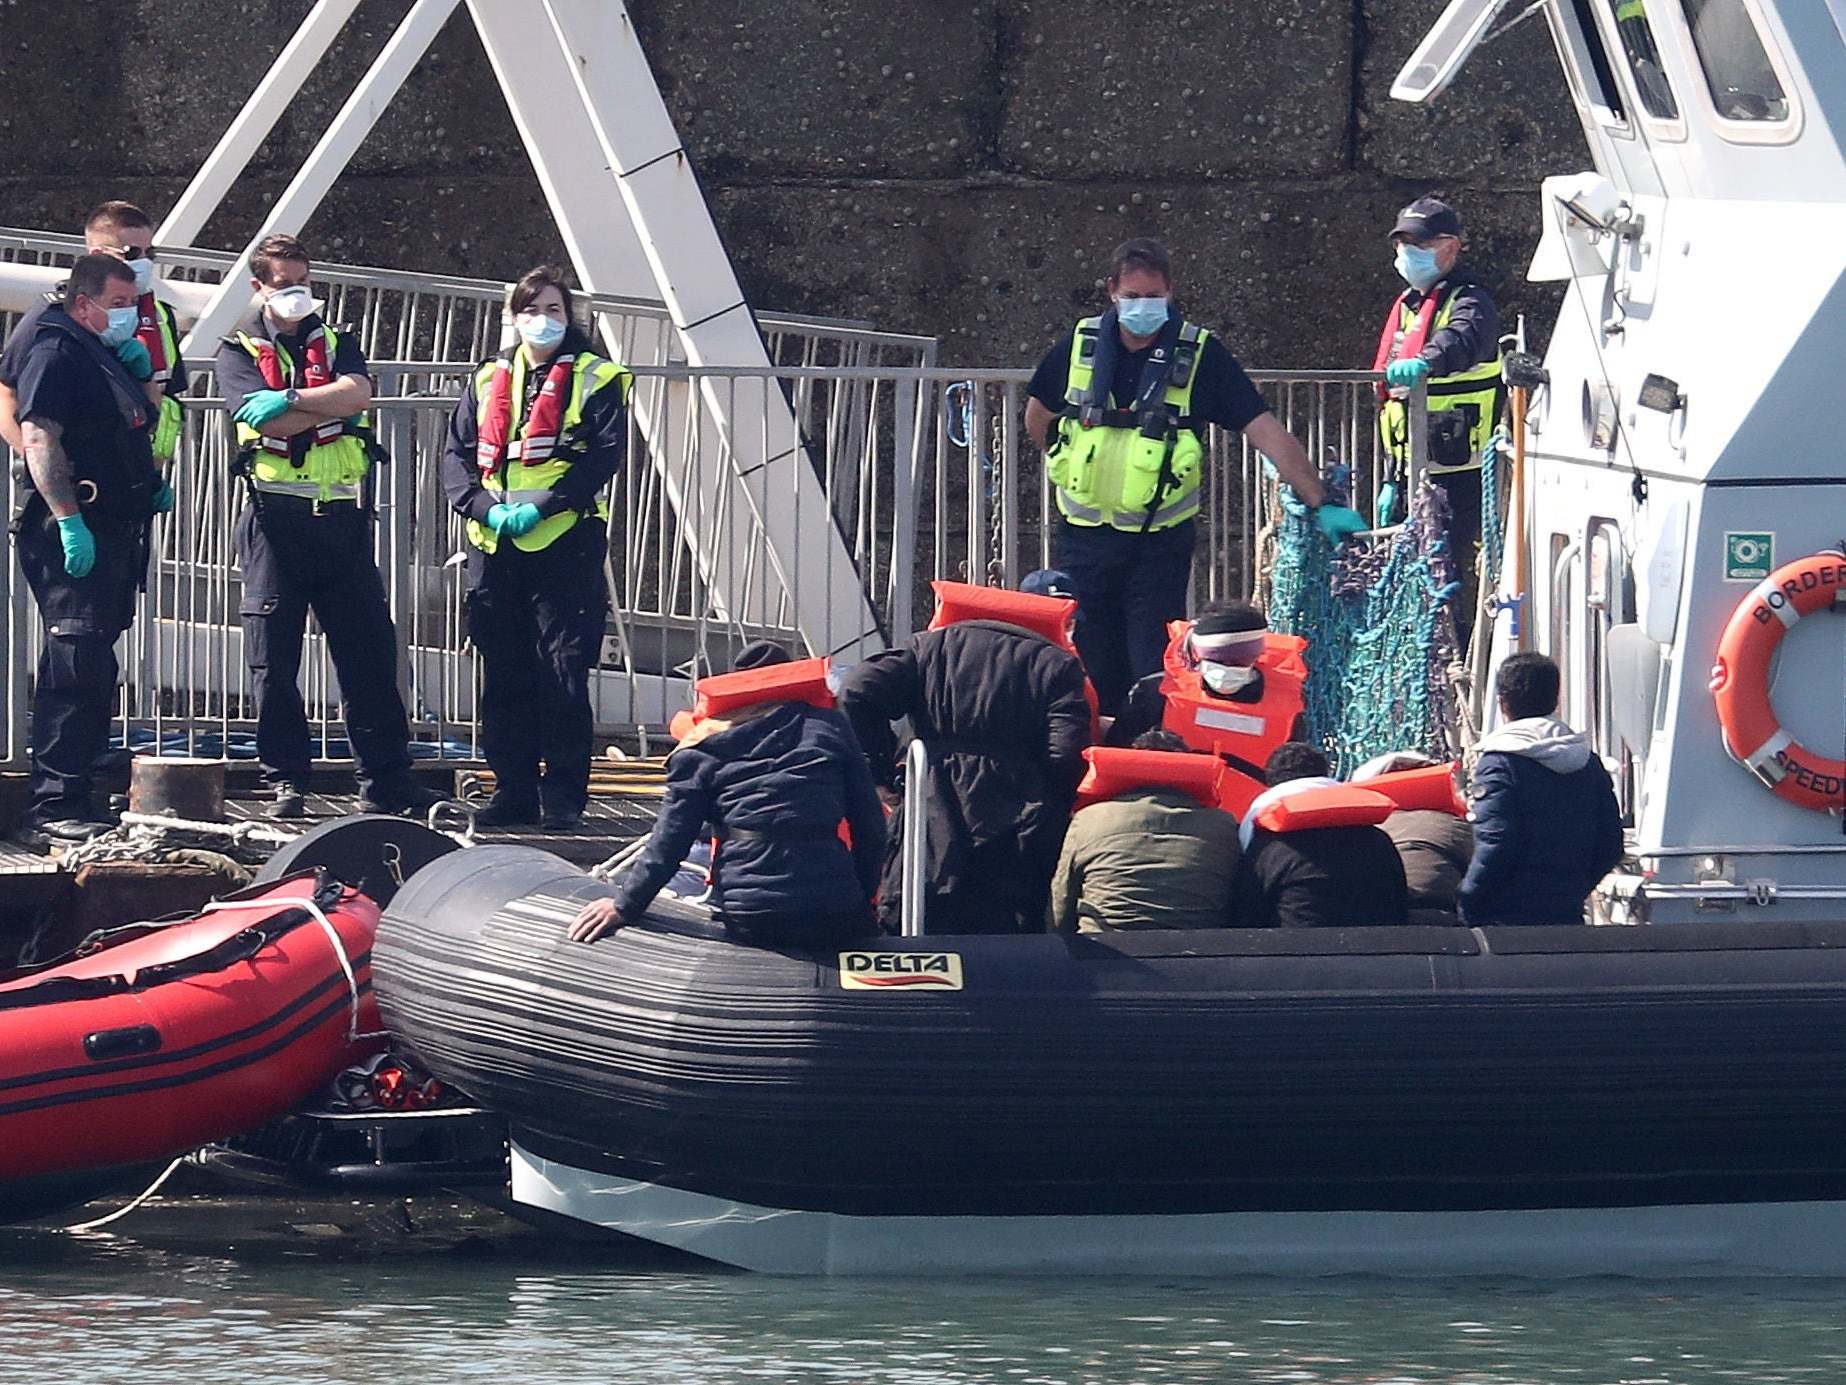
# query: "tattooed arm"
{"points": [[49, 467]]}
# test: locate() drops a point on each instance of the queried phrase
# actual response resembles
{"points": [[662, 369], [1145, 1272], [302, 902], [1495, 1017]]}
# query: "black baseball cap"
{"points": [[1425, 218]]}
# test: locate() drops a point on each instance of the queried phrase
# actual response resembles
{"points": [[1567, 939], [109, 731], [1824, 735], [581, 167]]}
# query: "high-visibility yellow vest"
{"points": [[335, 465], [525, 476], [1114, 472], [167, 424], [1478, 388]]}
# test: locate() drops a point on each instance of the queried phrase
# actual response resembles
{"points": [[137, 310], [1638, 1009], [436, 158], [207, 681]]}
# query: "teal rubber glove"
{"points": [[163, 499], [262, 406], [523, 519], [134, 358], [1406, 375], [497, 516], [1387, 504], [1337, 523], [79, 545]]}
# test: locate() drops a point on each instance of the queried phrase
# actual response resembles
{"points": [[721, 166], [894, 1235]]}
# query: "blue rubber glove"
{"points": [[1337, 523], [163, 499], [497, 516], [262, 406], [522, 520], [134, 358], [79, 545], [1406, 375], [1387, 504]]}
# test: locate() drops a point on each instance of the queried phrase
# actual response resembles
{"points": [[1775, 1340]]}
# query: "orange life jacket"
{"points": [[1049, 616], [804, 680], [1251, 731], [1338, 805], [1431, 789], [1115, 771]]}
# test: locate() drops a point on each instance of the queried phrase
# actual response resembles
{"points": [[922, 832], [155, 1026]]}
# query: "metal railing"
{"points": [[923, 474], [402, 315]]}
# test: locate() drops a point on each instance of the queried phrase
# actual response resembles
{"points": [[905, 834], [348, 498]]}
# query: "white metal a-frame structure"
{"points": [[621, 188]]}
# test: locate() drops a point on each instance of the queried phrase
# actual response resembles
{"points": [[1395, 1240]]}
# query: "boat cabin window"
{"points": [[1604, 94], [1650, 78], [1743, 82]]}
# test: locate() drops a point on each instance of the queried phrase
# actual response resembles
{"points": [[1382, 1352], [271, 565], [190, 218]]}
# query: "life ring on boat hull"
{"points": [[1740, 682]]}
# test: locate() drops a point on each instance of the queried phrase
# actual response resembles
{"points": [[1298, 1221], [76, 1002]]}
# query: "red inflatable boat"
{"points": [[163, 1037]]}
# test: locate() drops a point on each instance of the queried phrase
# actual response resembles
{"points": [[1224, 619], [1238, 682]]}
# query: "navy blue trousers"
{"points": [[1128, 587]]}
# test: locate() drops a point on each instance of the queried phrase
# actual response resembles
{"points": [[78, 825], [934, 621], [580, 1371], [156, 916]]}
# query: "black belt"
{"points": [[787, 836]]}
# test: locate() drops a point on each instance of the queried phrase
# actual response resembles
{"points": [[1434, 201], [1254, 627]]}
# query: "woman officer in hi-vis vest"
{"points": [[536, 438]]}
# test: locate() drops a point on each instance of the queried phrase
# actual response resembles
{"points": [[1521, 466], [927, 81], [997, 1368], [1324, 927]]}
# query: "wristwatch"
{"points": [[292, 398]]}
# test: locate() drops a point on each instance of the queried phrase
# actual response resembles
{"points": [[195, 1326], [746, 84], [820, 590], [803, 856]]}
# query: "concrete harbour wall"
{"points": [[956, 167]]}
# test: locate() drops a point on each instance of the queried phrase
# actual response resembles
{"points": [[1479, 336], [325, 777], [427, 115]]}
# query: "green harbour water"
{"points": [[96, 1309]]}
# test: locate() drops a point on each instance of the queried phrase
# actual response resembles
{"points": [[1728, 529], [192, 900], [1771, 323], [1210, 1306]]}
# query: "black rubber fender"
{"points": [[373, 852]]}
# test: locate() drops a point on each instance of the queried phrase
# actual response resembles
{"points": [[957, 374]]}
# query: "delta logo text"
{"points": [[900, 971]]}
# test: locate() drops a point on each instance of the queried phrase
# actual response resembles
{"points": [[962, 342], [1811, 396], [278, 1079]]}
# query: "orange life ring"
{"points": [[1740, 682]]}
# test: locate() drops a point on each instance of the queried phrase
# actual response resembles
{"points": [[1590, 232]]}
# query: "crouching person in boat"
{"points": [[1154, 854], [1313, 856], [1434, 845], [774, 777], [1547, 827], [996, 694]]}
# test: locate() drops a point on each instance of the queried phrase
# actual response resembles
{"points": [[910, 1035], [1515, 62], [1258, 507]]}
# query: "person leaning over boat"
{"points": [[1005, 717], [535, 440], [1443, 330], [82, 535], [1121, 405], [1435, 847], [1152, 858], [304, 540], [1323, 877], [774, 781], [1547, 826], [151, 354]]}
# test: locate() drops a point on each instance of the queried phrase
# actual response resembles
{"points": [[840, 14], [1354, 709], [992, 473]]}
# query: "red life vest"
{"points": [[1250, 731], [1115, 770], [1049, 616], [804, 680], [542, 428], [1431, 789], [148, 332], [1339, 805], [1392, 347], [316, 369]]}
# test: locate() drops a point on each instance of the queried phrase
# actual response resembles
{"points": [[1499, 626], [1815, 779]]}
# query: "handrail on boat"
{"points": [[916, 837]]}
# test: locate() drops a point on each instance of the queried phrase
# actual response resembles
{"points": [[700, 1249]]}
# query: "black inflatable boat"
{"points": [[1545, 1100]]}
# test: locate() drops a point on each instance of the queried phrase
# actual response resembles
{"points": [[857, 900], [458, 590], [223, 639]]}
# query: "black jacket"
{"points": [[1472, 336], [782, 781], [1328, 877], [1546, 828], [1003, 714]]}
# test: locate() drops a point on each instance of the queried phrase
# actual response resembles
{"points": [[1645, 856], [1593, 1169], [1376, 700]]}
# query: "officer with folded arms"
{"points": [[86, 428], [1122, 404], [304, 540]]}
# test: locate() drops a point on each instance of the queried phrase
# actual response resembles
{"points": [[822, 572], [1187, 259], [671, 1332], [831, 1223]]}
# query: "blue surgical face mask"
{"points": [[1417, 266], [1141, 317], [122, 324], [144, 273], [539, 331]]}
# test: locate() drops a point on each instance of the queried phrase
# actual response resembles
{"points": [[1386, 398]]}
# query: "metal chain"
{"points": [[991, 466]]}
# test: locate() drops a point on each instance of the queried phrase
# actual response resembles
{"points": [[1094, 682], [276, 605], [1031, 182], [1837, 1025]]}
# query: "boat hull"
{"points": [[187, 1033], [1151, 1076]]}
